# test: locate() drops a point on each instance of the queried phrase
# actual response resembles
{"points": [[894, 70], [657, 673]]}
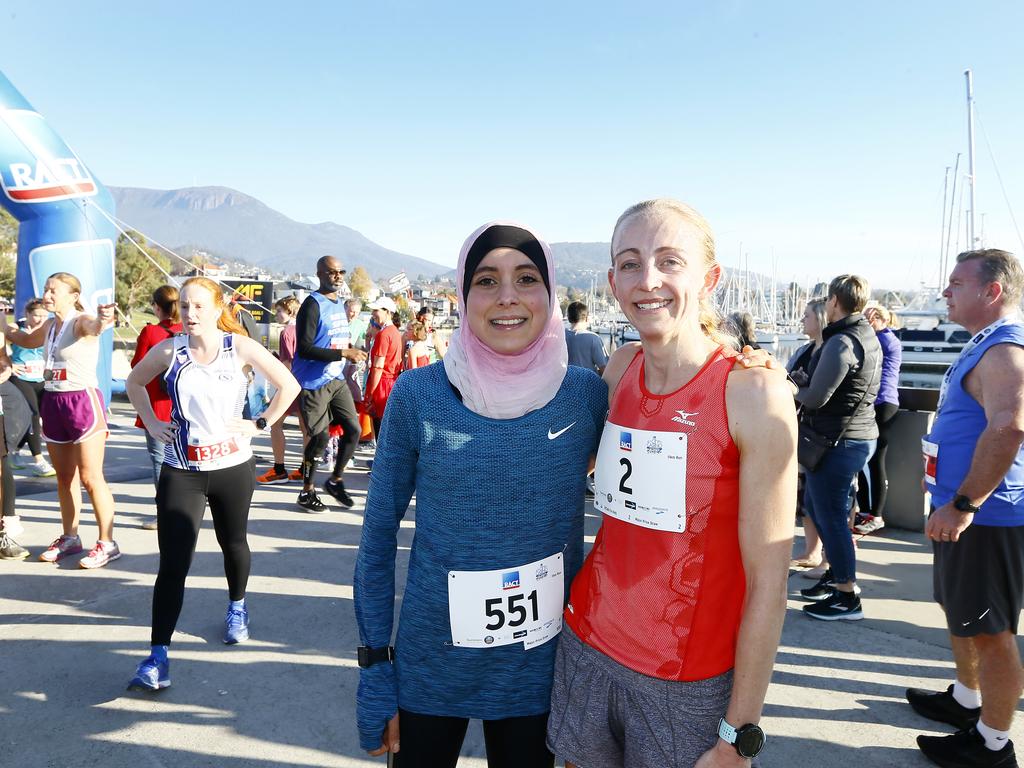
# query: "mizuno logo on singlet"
{"points": [[553, 435], [684, 418]]}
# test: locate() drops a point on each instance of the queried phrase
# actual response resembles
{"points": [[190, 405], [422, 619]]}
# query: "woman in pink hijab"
{"points": [[494, 441]]}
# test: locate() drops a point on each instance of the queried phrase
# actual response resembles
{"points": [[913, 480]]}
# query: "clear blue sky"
{"points": [[816, 132]]}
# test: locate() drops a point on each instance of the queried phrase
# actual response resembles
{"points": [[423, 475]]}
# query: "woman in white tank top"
{"points": [[73, 414], [207, 460]]}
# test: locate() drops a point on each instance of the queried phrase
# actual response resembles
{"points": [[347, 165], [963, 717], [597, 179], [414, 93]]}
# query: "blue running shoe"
{"points": [[151, 675], [236, 626]]}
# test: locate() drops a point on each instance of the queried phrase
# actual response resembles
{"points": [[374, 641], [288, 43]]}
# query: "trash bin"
{"points": [[907, 505]]}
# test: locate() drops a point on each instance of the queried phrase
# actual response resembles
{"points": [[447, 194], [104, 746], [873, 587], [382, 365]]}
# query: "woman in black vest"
{"points": [[838, 404]]}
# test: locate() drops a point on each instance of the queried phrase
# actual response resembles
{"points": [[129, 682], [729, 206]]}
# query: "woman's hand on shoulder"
{"points": [[756, 358], [756, 398]]}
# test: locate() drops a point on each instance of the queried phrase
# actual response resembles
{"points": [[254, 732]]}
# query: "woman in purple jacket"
{"points": [[872, 483]]}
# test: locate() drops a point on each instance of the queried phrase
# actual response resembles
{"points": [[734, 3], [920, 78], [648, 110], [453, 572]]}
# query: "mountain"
{"points": [[235, 226]]}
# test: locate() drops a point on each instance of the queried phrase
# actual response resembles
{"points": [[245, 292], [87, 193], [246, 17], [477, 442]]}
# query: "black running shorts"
{"points": [[979, 580]]}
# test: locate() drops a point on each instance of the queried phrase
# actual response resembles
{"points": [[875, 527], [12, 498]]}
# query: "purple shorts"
{"points": [[72, 417]]}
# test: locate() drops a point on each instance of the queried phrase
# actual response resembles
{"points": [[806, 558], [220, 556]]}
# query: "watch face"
{"points": [[749, 740]]}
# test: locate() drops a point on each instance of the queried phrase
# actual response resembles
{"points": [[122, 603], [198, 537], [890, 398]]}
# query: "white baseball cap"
{"points": [[384, 302]]}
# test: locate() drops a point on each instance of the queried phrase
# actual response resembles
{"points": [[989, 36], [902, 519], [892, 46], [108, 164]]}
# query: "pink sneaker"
{"points": [[62, 547], [100, 555]]}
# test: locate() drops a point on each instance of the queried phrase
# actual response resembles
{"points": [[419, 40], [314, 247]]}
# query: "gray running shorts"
{"points": [[979, 580], [604, 715]]}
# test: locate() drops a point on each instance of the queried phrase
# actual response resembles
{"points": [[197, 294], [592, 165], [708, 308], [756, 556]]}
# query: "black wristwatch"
{"points": [[748, 739], [367, 656], [962, 504], [261, 424]]}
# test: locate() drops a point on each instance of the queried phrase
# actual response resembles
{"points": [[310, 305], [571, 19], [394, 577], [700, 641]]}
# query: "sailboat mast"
{"points": [[970, 154]]}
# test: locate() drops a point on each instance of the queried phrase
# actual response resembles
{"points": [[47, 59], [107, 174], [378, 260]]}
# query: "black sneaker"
{"points": [[966, 749], [822, 589], [310, 502], [839, 606], [336, 488], [942, 707]]}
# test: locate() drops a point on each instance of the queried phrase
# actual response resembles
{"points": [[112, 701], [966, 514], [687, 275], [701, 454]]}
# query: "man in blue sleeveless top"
{"points": [[974, 469], [322, 336]]}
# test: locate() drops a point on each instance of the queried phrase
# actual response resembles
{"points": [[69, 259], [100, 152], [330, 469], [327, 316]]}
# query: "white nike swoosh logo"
{"points": [[553, 435], [965, 623]]}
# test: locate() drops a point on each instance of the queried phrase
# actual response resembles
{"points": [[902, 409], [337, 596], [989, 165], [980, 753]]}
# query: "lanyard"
{"points": [[979, 337], [53, 338]]}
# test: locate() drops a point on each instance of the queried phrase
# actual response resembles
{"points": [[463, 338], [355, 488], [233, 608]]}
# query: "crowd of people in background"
{"points": [[598, 632]]}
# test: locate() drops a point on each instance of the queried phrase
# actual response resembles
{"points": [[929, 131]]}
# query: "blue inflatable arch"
{"points": [[62, 210]]}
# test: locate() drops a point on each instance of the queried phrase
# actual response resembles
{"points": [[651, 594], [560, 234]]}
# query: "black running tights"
{"points": [[873, 490], [434, 741], [181, 499], [33, 391]]}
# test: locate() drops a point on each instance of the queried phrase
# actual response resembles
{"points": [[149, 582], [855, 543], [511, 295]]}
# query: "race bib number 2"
{"points": [[640, 477], [487, 609]]}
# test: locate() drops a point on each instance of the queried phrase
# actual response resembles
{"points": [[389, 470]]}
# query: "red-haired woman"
{"points": [[208, 458]]}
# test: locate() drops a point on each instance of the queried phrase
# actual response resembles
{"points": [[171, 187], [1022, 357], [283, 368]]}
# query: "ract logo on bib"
{"points": [[626, 441], [510, 580]]}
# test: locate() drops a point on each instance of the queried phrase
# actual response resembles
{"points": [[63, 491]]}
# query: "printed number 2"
{"points": [[629, 471], [493, 609]]}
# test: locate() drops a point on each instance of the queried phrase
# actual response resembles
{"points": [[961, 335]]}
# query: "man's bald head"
{"points": [[330, 273]]}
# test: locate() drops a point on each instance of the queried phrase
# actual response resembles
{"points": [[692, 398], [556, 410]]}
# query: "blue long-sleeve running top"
{"points": [[491, 495]]}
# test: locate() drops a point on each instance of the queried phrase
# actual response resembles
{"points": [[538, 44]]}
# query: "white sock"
{"points": [[966, 697], [236, 605], [994, 740]]}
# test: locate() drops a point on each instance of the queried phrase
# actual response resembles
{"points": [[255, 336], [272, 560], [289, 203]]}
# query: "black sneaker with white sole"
{"points": [[310, 502], [840, 606], [943, 707], [966, 749], [821, 590], [336, 488]]}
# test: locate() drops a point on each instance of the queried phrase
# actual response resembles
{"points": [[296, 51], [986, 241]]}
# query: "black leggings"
{"points": [[33, 392], [7, 487], [871, 496], [181, 498], [434, 741]]}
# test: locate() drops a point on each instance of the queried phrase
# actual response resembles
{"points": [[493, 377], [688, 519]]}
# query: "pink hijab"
{"points": [[507, 386]]}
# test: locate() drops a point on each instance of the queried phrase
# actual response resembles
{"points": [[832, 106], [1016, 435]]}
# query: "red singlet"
{"points": [[660, 602]]}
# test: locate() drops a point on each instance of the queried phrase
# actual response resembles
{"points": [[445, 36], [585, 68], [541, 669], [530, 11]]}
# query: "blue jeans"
{"points": [[827, 500], [156, 455]]}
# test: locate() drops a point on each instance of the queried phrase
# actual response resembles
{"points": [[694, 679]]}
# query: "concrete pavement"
{"points": [[70, 639]]}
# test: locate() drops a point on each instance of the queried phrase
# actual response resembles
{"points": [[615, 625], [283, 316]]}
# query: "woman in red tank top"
{"points": [[678, 609]]}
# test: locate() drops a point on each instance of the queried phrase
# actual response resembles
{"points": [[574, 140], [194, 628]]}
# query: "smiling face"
{"points": [[660, 274], [507, 306], [199, 310]]}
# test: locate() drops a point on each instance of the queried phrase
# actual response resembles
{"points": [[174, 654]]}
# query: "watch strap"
{"points": [[963, 504], [367, 656], [726, 732]]}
